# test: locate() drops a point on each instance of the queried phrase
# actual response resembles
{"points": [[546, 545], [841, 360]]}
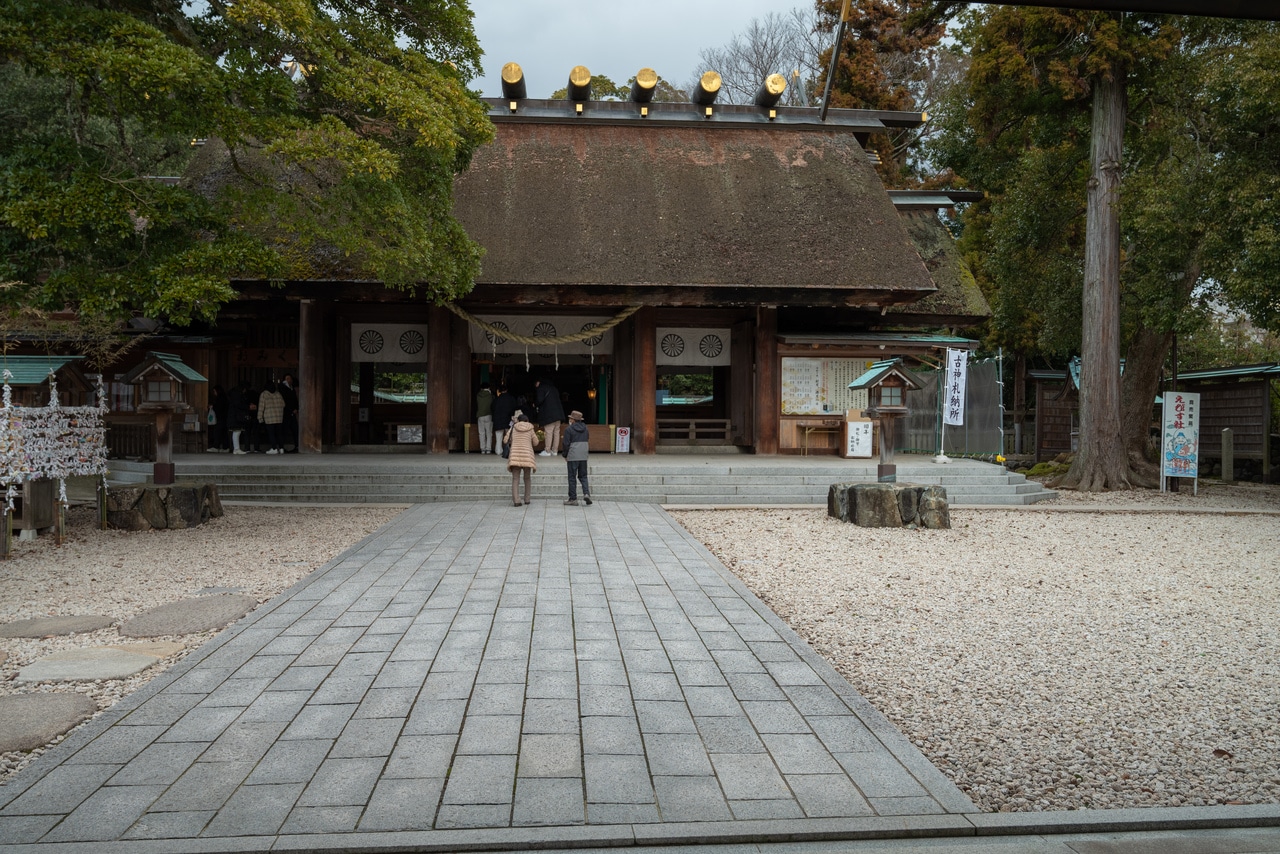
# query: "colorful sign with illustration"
{"points": [[1180, 444]]}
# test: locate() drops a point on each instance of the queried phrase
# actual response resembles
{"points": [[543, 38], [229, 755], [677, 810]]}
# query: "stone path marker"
{"points": [[188, 616], [28, 721], [43, 627], [75, 665]]}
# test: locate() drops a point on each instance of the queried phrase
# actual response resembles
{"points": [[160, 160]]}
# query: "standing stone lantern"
{"points": [[161, 384], [887, 384]]}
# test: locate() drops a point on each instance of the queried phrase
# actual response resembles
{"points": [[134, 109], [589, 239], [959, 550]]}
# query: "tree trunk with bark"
{"points": [[1141, 383], [1101, 462]]}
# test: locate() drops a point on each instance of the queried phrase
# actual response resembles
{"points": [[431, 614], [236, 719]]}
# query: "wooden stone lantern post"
{"points": [[160, 382], [887, 384]]}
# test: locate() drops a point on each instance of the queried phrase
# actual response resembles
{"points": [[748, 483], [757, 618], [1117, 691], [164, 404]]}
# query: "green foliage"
{"points": [[887, 61], [334, 132], [1198, 204], [689, 385], [604, 89]]}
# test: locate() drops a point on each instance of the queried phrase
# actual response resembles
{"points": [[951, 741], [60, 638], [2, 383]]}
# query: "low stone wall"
{"points": [[143, 508], [889, 505]]}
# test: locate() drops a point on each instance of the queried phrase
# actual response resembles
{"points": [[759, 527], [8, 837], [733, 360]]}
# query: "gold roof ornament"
{"points": [[579, 84], [513, 85]]}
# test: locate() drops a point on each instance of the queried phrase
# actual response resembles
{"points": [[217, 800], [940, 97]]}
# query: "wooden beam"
{"points": [[439, 379], [768, 388], [497, 295], [342, 382], [311, 383], [644, 435]]}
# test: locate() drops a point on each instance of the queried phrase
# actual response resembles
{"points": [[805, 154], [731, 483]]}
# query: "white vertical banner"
{"points": [[954, 387]]}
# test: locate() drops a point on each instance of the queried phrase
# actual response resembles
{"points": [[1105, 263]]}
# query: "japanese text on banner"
{"points": [[957, 370]]}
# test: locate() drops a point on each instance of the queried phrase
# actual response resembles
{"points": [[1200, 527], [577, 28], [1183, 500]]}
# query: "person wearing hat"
{"points": [[574, 450]]}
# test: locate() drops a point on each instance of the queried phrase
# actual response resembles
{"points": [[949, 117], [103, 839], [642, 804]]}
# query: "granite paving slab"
{"points": [[474, 673], [42, 627], [188, 616], [28, 721], [75, 665]]}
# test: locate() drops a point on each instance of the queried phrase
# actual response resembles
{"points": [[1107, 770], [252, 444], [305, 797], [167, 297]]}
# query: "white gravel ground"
{"points": [[1049, 660], [257, 551]]}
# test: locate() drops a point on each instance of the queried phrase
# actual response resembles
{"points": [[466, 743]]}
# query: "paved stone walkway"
{"points": [[480, 666]]}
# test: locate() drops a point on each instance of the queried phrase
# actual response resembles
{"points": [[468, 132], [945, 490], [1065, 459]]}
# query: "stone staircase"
{"points": [[685, 480]]}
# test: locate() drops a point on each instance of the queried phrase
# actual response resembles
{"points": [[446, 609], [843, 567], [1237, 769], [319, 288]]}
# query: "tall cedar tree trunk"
{"points": [[1141, 383], [1101, 462]]}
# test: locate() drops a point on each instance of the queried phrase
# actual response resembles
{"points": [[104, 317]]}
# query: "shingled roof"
{"points": [[762, 213]]}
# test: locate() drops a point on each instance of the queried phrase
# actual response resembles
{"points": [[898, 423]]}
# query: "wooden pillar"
{"points": [[463, 399], [311, 386], [768, 388], [439, 379], [644, 405], [342, 383], [623, 373]]}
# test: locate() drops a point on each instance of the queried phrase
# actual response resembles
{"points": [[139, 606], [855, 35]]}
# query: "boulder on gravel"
{"points": [[143, 508], [889, 505]]}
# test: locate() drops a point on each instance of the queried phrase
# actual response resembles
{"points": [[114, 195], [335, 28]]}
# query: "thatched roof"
{"points": [[958, 301], [754, 213]]}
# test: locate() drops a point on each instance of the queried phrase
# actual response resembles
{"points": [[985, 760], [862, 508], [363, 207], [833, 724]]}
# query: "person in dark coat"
{"points": [[289, 391], [504, 410], [241, 404], [219, 429], [550, 414], [575, 452]]}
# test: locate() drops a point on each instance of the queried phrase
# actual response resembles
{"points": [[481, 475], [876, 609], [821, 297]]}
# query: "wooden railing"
{"points": [[132, 441], [694, 431]]}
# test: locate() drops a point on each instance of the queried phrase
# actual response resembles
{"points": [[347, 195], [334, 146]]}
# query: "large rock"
{"points": [[183, 507], [934, 512], [121, 499], [875, 505], [889, 505], [141, 508], [151, 507]]}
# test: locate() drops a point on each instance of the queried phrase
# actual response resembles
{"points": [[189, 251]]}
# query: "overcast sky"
{"points": [[616, 39]]}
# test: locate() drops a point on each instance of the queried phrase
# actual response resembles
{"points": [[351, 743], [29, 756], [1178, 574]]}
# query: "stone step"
{"points": [[691, 480]]}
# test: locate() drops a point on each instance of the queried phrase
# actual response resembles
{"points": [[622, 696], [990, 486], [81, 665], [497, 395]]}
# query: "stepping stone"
{"points": [[188, 616], [85, 665], [43, 627], [160, 649], [28, 721]]}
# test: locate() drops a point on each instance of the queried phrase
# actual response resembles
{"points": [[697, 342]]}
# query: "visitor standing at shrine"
{"points": [[522, 460], [484, 418], [575, 452], [550, 414], [504, 411], [271, 414]]}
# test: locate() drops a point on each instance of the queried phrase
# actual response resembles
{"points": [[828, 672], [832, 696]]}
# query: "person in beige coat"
{"points": [[522, 439]]}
